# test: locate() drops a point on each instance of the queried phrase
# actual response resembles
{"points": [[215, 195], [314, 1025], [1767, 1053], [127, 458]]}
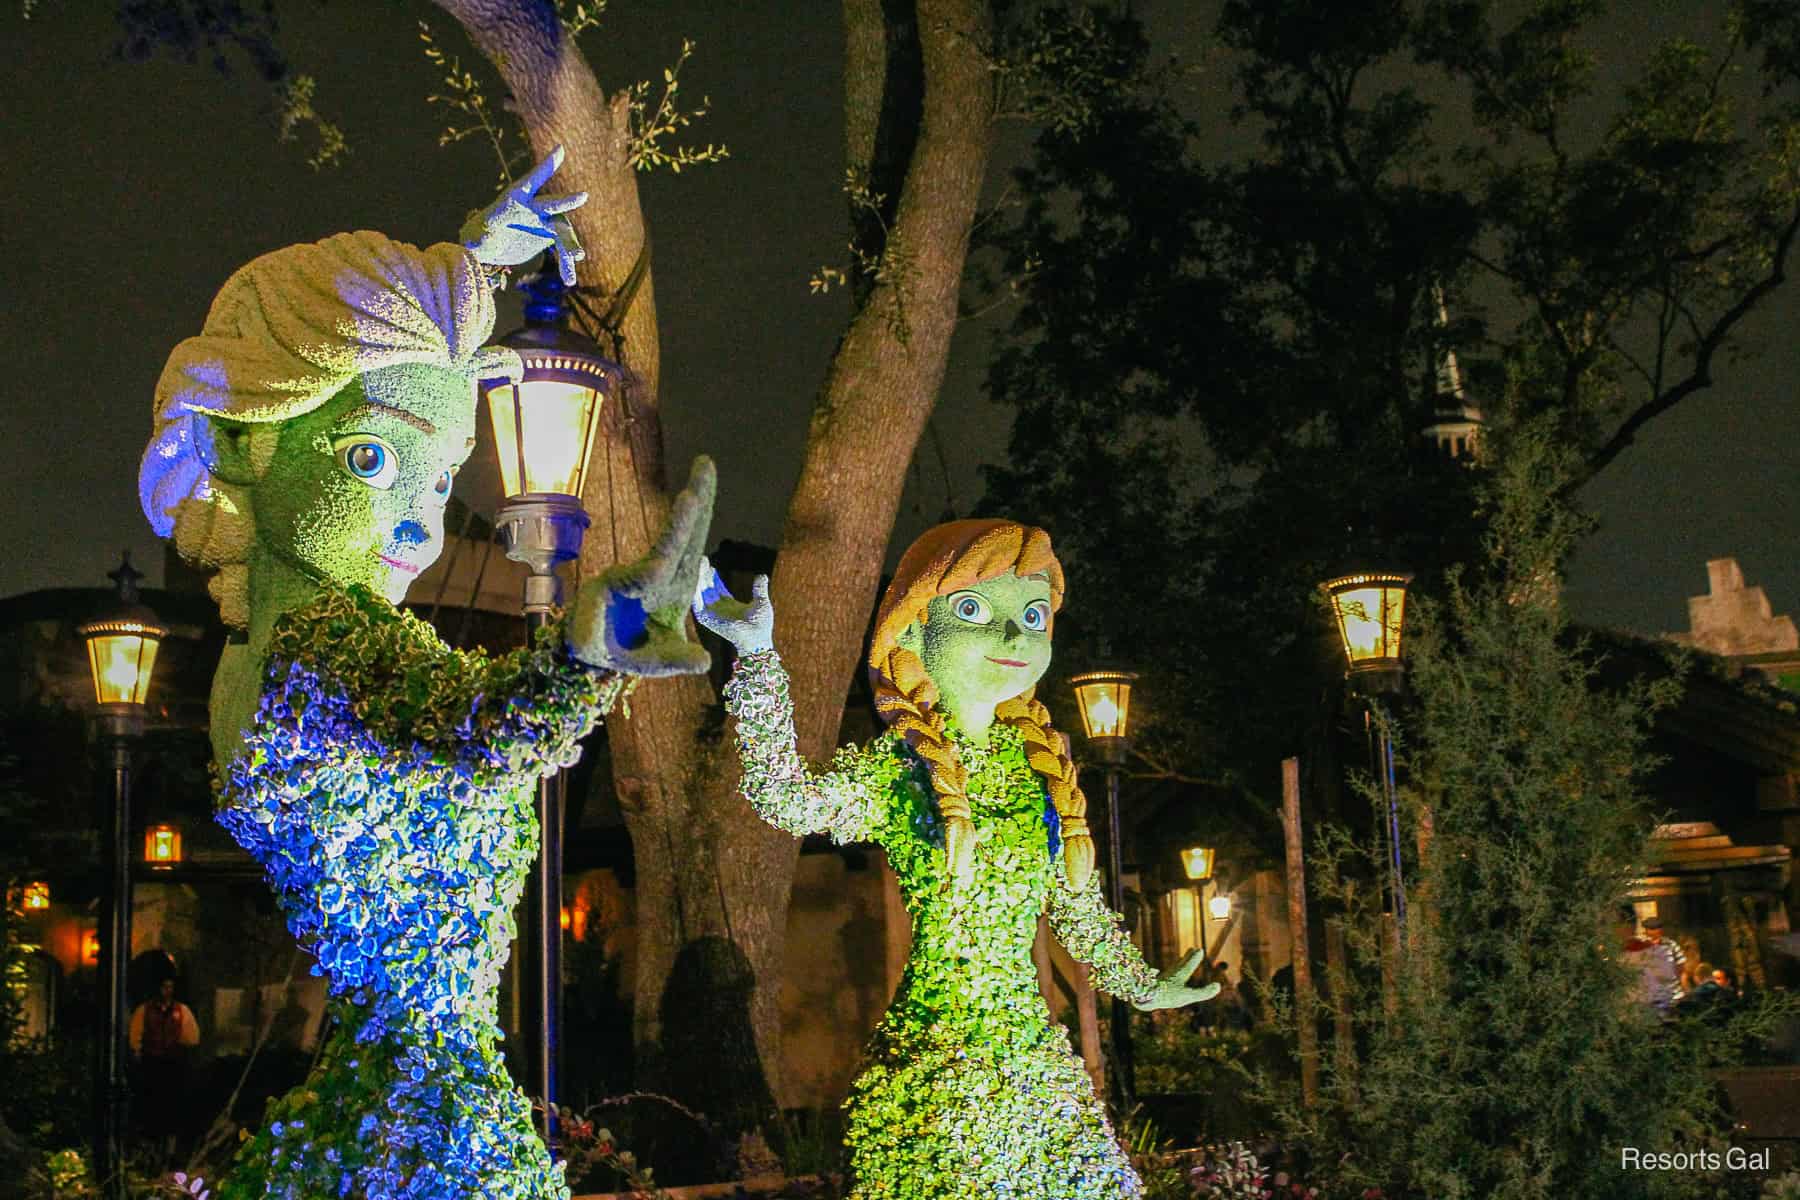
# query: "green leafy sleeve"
{"points": [[849, 801], [526, 711], [1092, 933]]}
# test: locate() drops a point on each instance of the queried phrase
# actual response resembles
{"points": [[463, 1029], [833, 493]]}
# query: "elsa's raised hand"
{"points": [[521, 224]]}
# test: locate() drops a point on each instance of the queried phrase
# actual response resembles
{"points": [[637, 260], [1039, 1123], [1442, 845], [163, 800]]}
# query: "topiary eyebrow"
{"points": [[399, 414]]}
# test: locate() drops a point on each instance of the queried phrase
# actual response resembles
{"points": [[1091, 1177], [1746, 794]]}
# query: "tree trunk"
{"points": [[713, 880]]}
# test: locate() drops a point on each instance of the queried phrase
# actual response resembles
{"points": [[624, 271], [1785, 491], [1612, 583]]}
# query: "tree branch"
{"points": [[1705, 350]]}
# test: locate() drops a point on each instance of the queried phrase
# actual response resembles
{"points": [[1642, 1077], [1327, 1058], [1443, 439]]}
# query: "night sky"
{"points": [[131, 190]]}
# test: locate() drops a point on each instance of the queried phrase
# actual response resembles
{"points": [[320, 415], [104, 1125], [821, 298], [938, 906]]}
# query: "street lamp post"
{"points": [[1197, 862], [1370, 610], [121, 653], [545, 425], [1105, 701]]}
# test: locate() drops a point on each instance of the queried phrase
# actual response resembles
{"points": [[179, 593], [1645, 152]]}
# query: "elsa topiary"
{"points": [[969, 1089], [305, 445]]}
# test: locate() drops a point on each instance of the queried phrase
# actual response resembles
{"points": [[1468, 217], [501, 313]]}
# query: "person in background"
{"points": [[162, 1035], [1693, 971], [1726, 984], [1662, 965], [1233, 1014], [1207, 1016]]}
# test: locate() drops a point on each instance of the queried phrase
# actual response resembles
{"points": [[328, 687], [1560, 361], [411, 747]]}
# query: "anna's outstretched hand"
{"points": [[1172, 990]]}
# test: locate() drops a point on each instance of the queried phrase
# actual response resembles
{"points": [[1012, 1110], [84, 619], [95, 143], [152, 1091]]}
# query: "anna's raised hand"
{"points": [[633, 618], [748, 627], [521, 224]]}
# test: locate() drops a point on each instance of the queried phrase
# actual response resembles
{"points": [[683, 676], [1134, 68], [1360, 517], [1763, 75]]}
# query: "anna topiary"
{"points": [[969, 1090]]}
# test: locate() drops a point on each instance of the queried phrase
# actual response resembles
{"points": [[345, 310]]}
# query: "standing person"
{"points": [[1662, 964], [1206, 1016], [1694, 972], [970, 1089], [163, 1033], [1233, 1015]]}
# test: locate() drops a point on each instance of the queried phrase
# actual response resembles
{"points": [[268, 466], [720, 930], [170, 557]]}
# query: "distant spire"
{"points": [[1455, 424]]}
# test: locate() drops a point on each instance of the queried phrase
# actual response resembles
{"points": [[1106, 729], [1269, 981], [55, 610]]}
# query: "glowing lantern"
{"points": [[122, 648], [90, 947], [1105, 701], [1370, 611], [36, 897], [1219, 907], [545, 424], [162, 846], [1197, 861]]}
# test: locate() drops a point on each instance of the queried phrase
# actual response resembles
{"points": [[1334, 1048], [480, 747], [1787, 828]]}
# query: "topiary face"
{"points": [[986, 643], [355, 491]]}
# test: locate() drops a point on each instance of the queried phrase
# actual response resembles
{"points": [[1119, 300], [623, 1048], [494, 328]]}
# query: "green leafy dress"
{"points": [[970, 1089], [386, 787]]}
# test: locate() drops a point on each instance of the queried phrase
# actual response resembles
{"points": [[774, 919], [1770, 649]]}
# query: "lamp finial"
{"points": [[125, 577]]}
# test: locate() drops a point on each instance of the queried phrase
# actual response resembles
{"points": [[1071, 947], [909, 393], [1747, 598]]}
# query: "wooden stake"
{"points": [[1305, 1001]]}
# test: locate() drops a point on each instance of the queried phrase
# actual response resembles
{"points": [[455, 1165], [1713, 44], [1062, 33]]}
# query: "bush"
{"points": [[1511, 1057]]}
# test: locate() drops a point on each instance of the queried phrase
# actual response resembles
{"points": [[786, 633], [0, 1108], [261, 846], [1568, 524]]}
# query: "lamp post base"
{"points": [[543, 531]]}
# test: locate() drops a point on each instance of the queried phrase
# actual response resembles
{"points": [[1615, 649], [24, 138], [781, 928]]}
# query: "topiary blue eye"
{"points": [[970, 607], [368, 459], [442, 487], [1037, 617]]}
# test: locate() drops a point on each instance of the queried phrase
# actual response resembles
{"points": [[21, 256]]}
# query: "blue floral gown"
{"points": [[970, 1090], [386, 787]]}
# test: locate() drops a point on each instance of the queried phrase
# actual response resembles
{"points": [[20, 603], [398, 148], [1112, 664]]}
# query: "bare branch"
{"points": [[1706, 348]]}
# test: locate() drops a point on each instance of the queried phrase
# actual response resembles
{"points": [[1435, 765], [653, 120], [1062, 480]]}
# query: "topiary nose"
{"points": [[411, 533]]}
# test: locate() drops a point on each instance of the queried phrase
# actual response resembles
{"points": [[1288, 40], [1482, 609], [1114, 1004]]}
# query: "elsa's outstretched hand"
{"points": [[1172, 990], [521, 224], [633, 618], [748, 627]]}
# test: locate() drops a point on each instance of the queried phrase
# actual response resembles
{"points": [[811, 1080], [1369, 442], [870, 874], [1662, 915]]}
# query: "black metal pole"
{"points": [[115, 957], [542, 960], [1205, 954], [1123, 1067], [1398, 883]]}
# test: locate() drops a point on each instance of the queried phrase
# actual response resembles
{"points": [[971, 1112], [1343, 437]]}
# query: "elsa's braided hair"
{"points": [[285, 334], [944, 560]]}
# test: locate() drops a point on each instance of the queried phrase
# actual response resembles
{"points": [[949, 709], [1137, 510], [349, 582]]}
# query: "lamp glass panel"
{"points": [[1105, 707], [1370, 618], [502, 400], [162, 844], [1197, 861], [1219, 907], [121, 663], [552, 446], [1185, 908]]}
